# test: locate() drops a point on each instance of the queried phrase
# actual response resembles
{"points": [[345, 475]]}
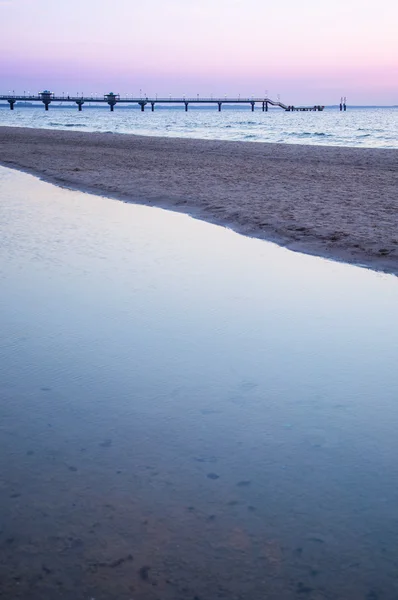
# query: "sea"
{"points": [[365, 127]]}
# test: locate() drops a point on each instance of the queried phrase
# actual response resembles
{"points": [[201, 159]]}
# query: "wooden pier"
{"points": [[112, 100]]}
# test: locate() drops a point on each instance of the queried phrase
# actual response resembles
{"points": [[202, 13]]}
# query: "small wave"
{"points": [[308, 134], [371, 130], [54, 124]]}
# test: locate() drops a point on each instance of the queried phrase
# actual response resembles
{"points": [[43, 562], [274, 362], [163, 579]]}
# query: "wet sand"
{"points": [[336, 202]]}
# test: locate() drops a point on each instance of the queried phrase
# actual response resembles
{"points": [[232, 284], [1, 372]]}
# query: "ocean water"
{"points": [[357, 127], [187, 413]]}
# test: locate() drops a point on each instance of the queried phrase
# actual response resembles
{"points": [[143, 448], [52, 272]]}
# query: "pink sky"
{"points": [[309, 52]]}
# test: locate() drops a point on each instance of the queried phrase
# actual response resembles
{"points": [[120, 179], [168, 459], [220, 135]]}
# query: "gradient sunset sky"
{"points": [[308, 51]]}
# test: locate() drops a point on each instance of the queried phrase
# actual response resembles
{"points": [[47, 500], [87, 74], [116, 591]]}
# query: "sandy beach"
{"points": [[336, 202]]}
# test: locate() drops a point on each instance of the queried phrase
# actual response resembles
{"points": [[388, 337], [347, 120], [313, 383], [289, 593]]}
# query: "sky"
{"points": [[305, 51]]}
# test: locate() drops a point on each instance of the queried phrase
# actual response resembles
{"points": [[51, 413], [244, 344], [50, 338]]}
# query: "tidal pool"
{"points": [[189, 414]]}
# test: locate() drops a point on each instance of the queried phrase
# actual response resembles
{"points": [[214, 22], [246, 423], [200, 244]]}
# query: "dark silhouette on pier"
{"points": [[112, 99]]}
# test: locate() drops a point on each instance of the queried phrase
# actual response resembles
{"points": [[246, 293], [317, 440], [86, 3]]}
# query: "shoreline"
{"points": [[336, 202]]}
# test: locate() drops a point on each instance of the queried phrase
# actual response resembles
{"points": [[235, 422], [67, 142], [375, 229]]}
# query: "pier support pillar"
{"points": [[263, 106], [79, 104], [142, 104], [11, 103], [152, 106], [252, 103], [186, 106], [46, 98], [219, 107], [111, 99], [266, 107]]}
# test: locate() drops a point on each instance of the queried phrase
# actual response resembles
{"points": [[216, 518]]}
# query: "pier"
{"points": [[112, 100]]}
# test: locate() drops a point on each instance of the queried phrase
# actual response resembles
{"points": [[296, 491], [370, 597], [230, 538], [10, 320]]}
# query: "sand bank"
{"points": [[335, 202]]}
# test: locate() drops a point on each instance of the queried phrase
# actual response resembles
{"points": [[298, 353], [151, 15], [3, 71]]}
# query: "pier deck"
{"points": [[113, 99]]}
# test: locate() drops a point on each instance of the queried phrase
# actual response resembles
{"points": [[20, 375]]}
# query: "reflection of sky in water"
{"points": [[267, 366]]}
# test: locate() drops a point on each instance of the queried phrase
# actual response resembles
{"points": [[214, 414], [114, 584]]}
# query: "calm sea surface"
{"points": [[368, 128], [186, 413]]}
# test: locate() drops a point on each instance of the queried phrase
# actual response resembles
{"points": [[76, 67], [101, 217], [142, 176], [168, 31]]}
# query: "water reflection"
{"points": [[188, 413]]}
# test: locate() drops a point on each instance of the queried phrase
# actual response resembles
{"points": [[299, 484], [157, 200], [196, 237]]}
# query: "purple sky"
{"points": [[308, 52]]}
